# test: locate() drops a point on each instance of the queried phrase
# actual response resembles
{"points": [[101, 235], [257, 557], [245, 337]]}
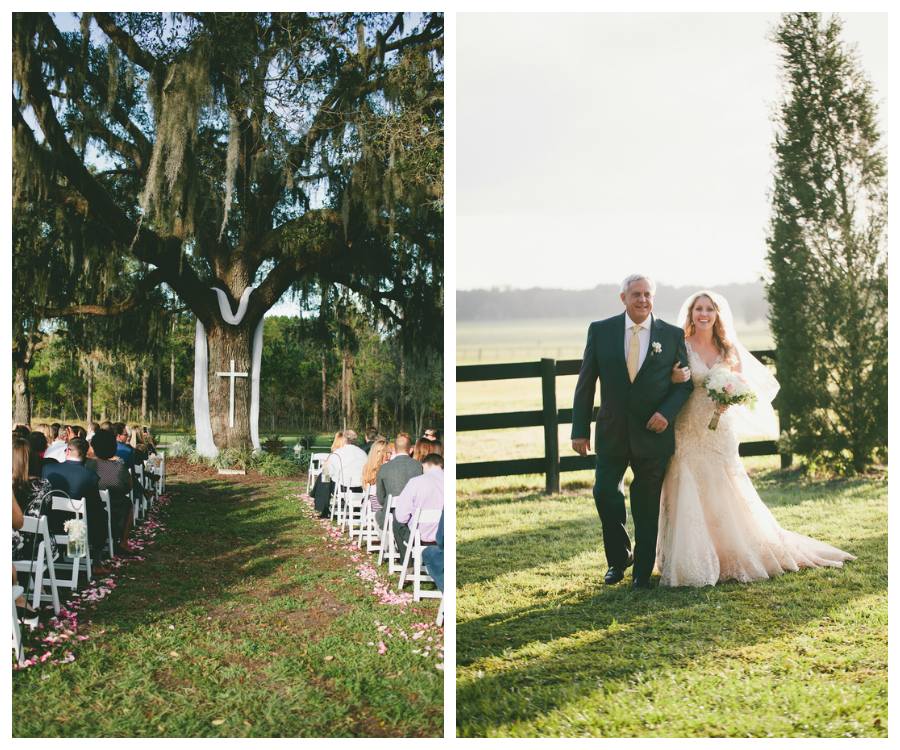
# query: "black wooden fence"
{"points": [[550, 418]]}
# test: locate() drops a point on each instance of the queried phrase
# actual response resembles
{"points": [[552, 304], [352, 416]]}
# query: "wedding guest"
{"points": [[437, 447], [393, 475], [57, 449], [422, 449], [371, 436], [139, 446], [115, 477], [433, 557], [422, 493], [92, 428], [396, 451], [378, 454], [38, 443], [432, 433], [78, 482], [32, 493], [345, 463], [46, 430], [24, 611]]}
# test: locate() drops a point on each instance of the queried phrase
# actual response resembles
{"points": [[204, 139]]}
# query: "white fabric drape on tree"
{"points": [[206, 446]]}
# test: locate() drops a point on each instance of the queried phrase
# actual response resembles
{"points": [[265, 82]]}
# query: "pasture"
{"points": [[545, 649]]}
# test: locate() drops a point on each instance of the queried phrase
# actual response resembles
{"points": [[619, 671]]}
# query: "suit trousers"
{"points": [[609, 496]]}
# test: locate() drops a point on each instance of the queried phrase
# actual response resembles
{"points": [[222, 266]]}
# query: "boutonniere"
{"points": [[657, 348]]}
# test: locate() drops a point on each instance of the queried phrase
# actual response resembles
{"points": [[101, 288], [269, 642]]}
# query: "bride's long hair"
{"points": [[720, 335]]}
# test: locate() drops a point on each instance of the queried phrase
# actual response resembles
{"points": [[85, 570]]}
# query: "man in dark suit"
{"points": [[633, 354], [393, 475], [77, 481]]}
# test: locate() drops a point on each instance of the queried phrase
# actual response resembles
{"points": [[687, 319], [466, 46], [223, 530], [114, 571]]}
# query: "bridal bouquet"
{"points": [[728, 389]]}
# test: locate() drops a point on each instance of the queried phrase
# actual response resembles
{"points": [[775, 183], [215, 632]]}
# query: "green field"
{"points": [[486, 342], [545, 649]]}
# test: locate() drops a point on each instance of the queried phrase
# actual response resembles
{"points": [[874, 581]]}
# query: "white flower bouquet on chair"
{"points": [[77, 531]]}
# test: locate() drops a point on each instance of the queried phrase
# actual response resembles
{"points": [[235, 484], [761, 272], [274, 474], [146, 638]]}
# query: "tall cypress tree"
{"points": [[828, 290]]}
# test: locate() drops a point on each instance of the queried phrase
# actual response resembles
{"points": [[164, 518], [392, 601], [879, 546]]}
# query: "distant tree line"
{"points": [[748, 302]]}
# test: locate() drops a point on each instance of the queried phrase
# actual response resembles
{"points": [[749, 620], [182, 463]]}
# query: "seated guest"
{"points": [[139, 446], [437, 447], [78, 431], [123, 449], [21, 430], [57, 449], [371, 435], [422, 449], [148, 440], [432, 434], [45, 429], [77, 481], [106, 426], [433, 557], [115, 477], [393, 475], [421, 493], [408, 441], [377, 456], [344, 464], [39, 445], [92, 428], [32, 494], [347, 460]]}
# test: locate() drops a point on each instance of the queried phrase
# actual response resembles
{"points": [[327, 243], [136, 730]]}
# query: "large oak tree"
{"points": [[294, 152]]}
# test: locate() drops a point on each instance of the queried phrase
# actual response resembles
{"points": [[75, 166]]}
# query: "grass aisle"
{"points": [[247, 618], [545, 649]]}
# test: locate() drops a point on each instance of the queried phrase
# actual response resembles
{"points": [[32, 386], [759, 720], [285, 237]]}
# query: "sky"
{"points": [[593, 146]]}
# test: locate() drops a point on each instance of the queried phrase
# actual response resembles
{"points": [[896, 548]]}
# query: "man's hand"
{"points": [[657, 423], [581, 446]]}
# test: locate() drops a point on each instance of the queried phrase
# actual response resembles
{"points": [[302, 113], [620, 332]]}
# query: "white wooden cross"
{"points": [[232, 375]]}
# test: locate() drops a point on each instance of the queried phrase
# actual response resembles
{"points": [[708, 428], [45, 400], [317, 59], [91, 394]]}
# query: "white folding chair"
{"points": [[140, 502], [393, 554], [439, 620], [43, 562], [368, 527], [386, 543], [315, 468], [104, 496], [414, 554], [69, 505], [337, 493], [17, 631], [161, 472], [353, 508], [152, 482]]}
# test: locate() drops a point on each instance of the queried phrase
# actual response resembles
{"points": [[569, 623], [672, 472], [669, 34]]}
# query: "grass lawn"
{"points": [[247, 618], [545, 649]]}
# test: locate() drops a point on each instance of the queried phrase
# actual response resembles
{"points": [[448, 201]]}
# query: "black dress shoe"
{"points": [[613, 575], [640, 584]]}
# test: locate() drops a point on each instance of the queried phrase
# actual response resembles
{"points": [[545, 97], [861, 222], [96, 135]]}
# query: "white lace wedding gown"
{"points": [[713, 525]]}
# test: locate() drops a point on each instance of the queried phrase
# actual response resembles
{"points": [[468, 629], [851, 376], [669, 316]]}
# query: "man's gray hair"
{"points": [[629, 280], [350, 436]]}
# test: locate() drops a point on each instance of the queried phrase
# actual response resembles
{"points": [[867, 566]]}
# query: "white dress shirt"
{"points": [[57, 450], [349, 458]]}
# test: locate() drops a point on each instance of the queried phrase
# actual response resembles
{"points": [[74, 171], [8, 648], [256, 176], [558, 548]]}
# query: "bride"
{"points": [[713, 526]]}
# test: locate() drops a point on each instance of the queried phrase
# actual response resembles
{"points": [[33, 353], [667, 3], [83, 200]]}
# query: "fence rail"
{"points": [[549, 417]]}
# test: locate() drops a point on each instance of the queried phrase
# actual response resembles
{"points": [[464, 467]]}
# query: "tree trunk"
{"points": [[324, 396], [89, 416], [375, 414], [227, 343], [145, 380], [402, 387], [158, 391], [23, 360], [172, 392]]}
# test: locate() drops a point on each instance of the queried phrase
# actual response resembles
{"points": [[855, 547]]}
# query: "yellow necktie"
{"points": [[634, 350]]}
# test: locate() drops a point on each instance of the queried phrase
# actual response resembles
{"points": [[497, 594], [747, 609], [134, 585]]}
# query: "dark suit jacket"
{"points": [[626, 407], [77, 481], [393, 476]]}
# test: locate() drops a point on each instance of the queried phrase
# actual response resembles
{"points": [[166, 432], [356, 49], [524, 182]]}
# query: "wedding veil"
{"points": [[761, 420]]}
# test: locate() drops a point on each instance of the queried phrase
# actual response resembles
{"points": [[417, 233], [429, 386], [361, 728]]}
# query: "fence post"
{"points": [[551, 423]]}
